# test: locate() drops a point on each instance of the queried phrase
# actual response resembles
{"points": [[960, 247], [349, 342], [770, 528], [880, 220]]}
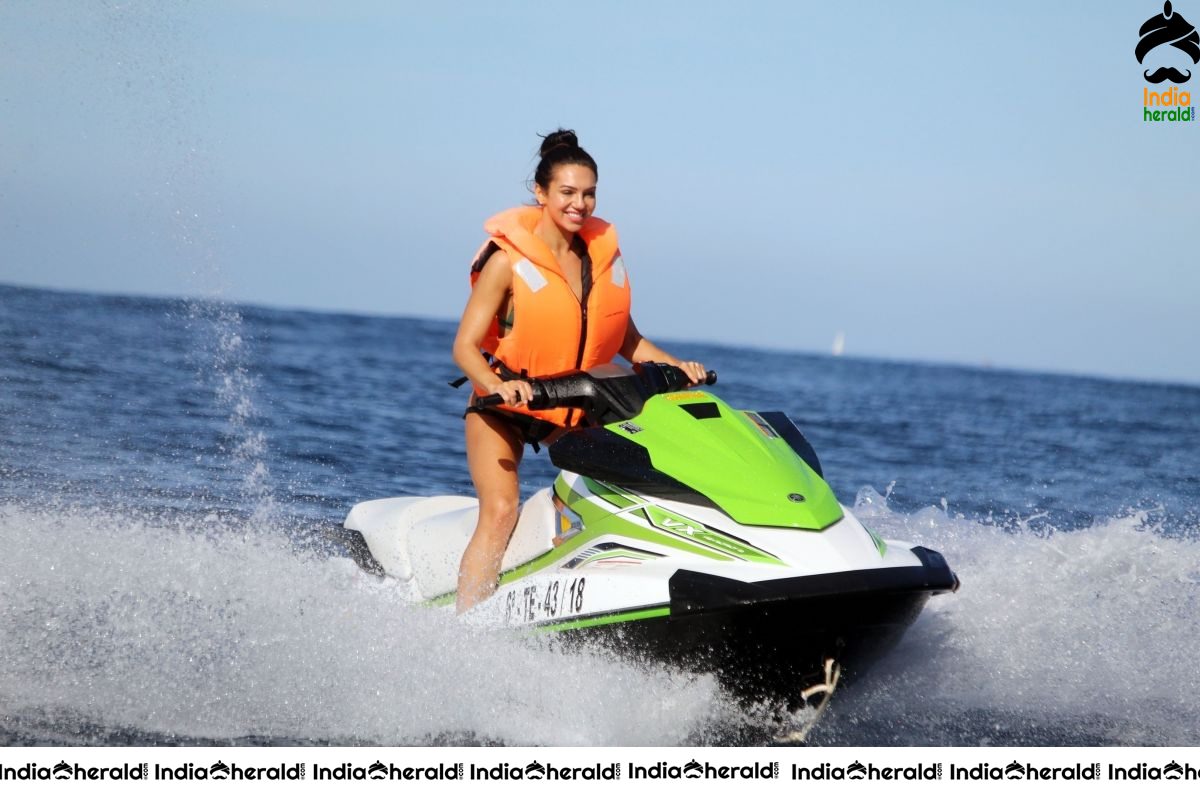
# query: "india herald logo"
{"points": [[1168, 28]]}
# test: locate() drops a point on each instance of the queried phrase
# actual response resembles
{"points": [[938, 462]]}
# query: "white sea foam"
{"points": [[140, 625], [163, 628], [1093, 628]]}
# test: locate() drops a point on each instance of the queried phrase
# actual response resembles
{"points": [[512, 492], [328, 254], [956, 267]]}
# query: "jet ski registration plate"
{"points": [[545, 600]]}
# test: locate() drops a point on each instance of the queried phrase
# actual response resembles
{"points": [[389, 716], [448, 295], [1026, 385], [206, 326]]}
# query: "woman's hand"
{"points": [[694, 370], [514, 392]]}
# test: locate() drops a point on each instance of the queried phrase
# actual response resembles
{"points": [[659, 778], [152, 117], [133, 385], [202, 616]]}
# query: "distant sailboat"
{"points": [[839, 343]]}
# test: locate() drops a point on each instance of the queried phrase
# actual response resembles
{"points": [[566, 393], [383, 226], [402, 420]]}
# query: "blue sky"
{"points": [[957, 182]]}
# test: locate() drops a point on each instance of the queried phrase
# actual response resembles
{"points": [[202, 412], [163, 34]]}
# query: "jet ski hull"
{"points": [[771, 639]]}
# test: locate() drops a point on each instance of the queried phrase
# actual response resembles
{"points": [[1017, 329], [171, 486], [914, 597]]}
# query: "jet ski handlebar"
{"points": [[605, 393]]}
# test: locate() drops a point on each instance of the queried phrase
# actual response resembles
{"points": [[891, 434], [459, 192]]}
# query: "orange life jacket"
{"points": [[552, 332]]}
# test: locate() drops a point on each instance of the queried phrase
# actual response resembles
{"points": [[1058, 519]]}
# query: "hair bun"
{"points": [[560, 147], [559, 137]]}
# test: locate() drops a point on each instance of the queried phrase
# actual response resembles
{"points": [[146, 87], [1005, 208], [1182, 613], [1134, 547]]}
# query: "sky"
{"points": [[958, 182]]}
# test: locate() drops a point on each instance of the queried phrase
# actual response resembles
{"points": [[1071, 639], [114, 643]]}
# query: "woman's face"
{"points": [[570, 198]]}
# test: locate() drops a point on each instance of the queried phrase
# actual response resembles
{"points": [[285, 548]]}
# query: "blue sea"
{"points": [[174, 474]]}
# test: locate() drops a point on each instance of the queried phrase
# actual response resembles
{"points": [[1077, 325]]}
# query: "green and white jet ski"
{"points": [[679, 529]]}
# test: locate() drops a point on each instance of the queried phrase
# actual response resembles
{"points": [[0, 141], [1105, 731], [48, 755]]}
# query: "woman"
{"points": [[549, 294]]}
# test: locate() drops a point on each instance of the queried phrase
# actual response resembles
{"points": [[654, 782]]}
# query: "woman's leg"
{"points": [[493, 454]]}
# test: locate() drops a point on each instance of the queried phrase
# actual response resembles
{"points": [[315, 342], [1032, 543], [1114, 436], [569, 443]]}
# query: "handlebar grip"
{"points": [[710, 377], [540, 399], [489, 401]]}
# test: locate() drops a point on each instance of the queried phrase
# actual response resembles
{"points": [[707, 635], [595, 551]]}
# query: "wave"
{"points": [[170, 631], [1083, 637], [126, 627]]}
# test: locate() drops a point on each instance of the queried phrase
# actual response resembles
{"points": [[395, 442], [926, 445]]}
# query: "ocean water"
{"points": [[173, 477]]}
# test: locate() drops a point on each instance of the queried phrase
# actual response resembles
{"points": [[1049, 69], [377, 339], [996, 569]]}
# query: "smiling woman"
{"points": [[549, 294]]}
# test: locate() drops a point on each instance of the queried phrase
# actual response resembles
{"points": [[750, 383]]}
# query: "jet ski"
{"points": [[679, 529]]}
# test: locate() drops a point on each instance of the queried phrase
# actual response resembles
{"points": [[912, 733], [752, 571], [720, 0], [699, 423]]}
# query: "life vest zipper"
{"points": [[582, 334], [585, 291]]}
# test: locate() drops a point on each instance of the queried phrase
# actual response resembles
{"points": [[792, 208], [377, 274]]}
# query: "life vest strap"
{"points": [[484, 255]]}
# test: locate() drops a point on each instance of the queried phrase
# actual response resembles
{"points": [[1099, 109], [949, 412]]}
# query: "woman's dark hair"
{"points": [[560, 147]]}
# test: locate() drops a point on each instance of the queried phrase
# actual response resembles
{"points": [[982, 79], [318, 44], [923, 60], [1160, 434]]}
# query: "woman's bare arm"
{"points": [[488, 295], [637, 349]]}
